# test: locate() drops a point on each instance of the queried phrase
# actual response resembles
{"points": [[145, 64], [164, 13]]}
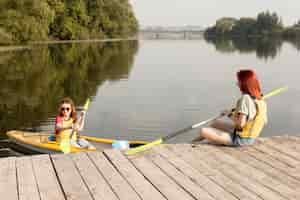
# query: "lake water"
{"points": [[142, 90]]}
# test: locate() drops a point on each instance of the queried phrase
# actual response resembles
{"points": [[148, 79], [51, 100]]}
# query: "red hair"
{"points": [[249, 84]]}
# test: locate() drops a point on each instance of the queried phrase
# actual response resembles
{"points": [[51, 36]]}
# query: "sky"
{"points": [[205, 13]]}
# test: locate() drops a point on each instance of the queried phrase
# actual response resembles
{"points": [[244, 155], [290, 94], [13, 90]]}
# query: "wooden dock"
{"points": [[268, 170]]}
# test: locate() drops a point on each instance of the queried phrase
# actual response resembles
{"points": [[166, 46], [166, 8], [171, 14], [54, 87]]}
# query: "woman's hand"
{"points": [[82, 113], [75, 127]]}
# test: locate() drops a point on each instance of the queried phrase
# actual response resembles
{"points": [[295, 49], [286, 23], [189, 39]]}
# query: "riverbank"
{"points": [[267, 170], [83, 41], [13, 48], [29, 44]]}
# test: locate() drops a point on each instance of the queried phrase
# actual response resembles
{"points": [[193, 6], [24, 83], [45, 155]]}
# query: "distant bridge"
{"points": [[166, 34]]}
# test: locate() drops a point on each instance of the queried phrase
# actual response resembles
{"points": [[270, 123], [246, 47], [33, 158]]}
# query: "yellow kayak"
{"points": [[39, 142]]}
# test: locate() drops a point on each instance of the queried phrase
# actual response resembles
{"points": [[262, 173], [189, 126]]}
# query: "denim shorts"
{"points": [[237, 141]]}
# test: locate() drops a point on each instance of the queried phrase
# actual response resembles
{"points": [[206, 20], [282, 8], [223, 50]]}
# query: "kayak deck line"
{"points": [[39, 142], [267, 170]]}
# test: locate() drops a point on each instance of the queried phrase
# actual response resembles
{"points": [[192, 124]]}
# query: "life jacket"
{"points": [[253, 128], [65, 134]]}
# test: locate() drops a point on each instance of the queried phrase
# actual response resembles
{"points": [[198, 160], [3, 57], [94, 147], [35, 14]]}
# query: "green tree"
{"points": [[30, 20], [293, 32], [245, 27], [268, 23], [225, 25]]}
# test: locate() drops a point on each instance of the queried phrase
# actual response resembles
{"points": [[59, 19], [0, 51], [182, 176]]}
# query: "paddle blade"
{"points": [[275, 92], [65, 145], [143, 147], [86, 105]]}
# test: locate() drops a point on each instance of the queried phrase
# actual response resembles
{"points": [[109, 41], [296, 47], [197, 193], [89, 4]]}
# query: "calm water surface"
{"points": [[147, 89]]}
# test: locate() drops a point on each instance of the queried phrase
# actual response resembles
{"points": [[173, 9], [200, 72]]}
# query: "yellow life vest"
{"points": [[253, 128], [65, 134]]}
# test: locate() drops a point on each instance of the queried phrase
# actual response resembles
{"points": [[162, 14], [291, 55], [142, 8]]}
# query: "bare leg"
{"points": [[227, 126], [216, 136], [219, 125]]}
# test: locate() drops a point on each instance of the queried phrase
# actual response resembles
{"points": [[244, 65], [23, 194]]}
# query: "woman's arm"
{"points": [[239, 120], [242, 111], [80, 124]]}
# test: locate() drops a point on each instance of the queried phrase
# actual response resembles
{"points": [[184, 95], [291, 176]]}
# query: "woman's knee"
{"points": [[205, 132], [216, 135], [227, 126]]}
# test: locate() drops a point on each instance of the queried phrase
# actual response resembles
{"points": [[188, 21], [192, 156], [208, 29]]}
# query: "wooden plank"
{"points": [[98, 186], [119, 185], [277, 155], [242, 187], [216, 184], [178, 176], [46, 179], [69, 178], [144, 188], [262, 166], [291, 141], [283, 148], [229, 171], [213, 182], [159, 179], [290, 171], [8, 180], [253, 173], [28, 189], [204, 176]]}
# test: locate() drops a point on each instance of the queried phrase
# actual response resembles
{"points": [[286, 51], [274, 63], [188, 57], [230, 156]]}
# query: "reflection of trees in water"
{"points": [[33, 82], [265, 48], [222, 44], [295, 42]]}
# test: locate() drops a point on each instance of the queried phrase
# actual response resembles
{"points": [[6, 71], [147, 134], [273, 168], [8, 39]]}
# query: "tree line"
{"points": [[265, 24], [36, 20]]}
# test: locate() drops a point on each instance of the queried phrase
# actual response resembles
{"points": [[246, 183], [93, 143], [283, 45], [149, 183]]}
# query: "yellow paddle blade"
{"points": [[143, 147], [86, 105], [65, 145], [275, 92]]}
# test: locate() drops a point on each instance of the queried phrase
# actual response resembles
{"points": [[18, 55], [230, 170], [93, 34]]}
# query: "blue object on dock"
{"points": [[52, 138], [120, 144]]}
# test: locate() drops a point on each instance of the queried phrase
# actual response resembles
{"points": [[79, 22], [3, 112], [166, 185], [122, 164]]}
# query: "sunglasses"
{"points": [[65, 109]]}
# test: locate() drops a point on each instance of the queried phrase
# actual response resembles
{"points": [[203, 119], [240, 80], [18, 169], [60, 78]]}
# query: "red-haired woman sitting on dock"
{"points": [[247, 119]]}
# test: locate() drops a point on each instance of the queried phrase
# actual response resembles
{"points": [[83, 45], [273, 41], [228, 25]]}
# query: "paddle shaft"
{"points": [[167, 137], [82, 118], [268, 95]]}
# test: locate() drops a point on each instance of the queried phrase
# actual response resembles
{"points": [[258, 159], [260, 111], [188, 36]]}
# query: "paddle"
{"points": [[65, 144], [167, 137]]}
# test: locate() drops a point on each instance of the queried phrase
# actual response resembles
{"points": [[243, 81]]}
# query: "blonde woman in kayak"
{"points": [[67, 124], [246, 121]]}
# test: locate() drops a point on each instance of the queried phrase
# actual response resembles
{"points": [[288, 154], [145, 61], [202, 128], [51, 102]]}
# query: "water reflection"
{"points": [[32, 82], [265, 48], [295, 43]]}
